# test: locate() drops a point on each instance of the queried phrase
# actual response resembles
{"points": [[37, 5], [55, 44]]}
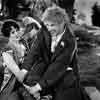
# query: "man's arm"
{"points": [[59, 67], [56, 69]]}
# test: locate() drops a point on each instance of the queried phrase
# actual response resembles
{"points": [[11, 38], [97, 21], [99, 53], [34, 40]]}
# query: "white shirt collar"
{"points": [[55, 40]]}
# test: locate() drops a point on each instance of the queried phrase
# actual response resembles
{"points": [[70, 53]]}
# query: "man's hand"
{"points": [[33, 91], [37, 95]]}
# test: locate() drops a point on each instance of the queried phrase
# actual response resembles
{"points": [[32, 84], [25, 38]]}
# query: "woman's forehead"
{"points": [[13, 28]]}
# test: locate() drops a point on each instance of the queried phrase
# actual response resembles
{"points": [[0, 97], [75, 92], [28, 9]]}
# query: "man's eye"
{"points": [[53, 25]]}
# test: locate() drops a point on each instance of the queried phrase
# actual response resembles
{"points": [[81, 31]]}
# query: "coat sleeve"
{"points": [[33, 55], [34, 63], [57, 68], [1, 70]]}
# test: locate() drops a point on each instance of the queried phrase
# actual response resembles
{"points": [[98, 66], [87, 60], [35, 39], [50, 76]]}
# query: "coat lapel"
{"points": [[62, 44], [47, 38]]}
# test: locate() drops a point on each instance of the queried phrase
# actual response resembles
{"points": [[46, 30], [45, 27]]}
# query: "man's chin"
{"points": [[53, 33]]}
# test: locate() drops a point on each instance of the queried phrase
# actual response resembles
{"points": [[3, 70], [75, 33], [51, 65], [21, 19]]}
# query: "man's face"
{"points": [[30, 32], [33, 33], [54, 28]]}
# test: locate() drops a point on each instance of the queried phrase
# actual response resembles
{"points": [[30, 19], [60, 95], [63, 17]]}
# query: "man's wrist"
{"points": [[23, 73]]}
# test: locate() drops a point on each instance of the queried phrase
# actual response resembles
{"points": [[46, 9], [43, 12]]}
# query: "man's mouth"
{"points": [[53, 32]]}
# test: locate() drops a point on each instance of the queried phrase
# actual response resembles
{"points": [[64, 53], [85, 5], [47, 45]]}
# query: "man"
{"points": [[52, 70], [49, 66], [32, 27]]}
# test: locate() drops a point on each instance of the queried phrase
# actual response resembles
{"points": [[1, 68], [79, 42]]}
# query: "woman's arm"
{"points": [[13, 67]]}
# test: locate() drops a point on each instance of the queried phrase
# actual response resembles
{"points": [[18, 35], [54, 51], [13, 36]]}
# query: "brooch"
{"points": [[62, 44]]}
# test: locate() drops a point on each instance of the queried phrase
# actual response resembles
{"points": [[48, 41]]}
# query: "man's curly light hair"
{"points": [[55, 14]]}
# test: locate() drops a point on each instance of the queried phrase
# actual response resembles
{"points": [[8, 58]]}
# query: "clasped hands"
{"points": [[33, 91]]}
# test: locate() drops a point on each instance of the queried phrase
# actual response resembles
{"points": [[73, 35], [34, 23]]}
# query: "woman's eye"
{"points": [[12, 32]]}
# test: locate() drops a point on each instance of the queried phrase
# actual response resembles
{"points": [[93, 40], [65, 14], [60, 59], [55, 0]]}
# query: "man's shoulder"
{"points": [[43, 32]]}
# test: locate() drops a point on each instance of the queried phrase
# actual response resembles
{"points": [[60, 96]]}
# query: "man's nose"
{"points": [[49, 28]]}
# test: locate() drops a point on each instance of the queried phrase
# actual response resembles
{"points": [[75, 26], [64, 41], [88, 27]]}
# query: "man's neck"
{"points": [[57, 35]]}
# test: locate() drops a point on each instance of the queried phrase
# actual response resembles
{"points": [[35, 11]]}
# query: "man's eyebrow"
{"points": [[52, 24]]}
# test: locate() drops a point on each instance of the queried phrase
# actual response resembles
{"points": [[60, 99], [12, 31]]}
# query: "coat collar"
{"points": [[47, 37], [62, 43]]}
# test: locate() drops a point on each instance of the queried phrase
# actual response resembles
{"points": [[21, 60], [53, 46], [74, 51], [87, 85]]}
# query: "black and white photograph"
{"points": [[49, 49]]}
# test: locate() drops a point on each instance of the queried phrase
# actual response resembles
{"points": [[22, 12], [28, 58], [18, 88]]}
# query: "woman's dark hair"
{"points": [[6, 27]]}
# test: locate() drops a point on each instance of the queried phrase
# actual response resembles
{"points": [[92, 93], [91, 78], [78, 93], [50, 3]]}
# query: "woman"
{"points": [[3, 43], [10, 30]]}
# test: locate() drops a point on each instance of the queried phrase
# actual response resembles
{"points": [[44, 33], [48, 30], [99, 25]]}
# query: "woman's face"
{"points": [[13, 33]]}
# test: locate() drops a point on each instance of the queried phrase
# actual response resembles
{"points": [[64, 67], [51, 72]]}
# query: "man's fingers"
{"points": [[37, 95]]}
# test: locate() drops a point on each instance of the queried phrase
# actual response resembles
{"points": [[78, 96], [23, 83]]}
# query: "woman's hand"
{"points": [[10, 63], [8, 59], [13, 67]]}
